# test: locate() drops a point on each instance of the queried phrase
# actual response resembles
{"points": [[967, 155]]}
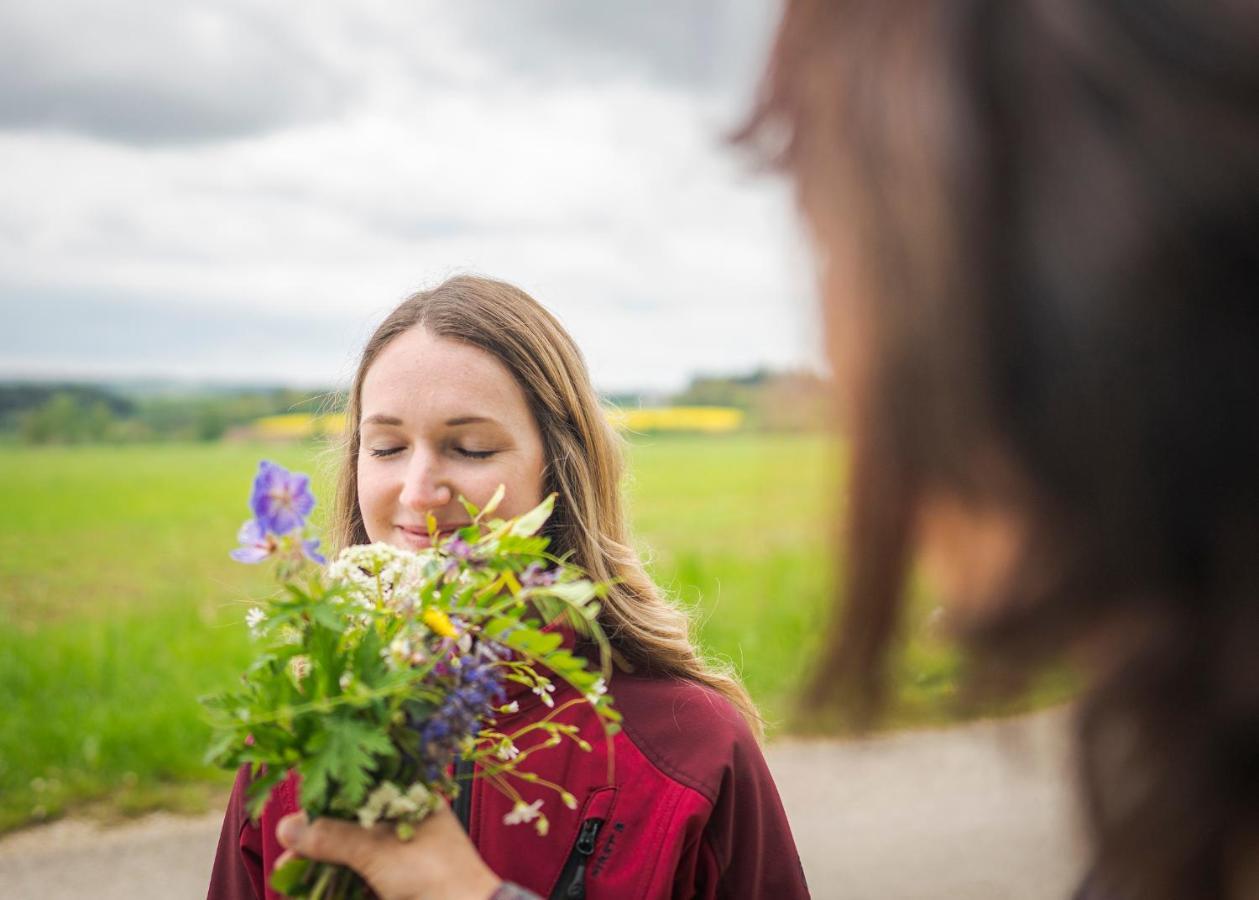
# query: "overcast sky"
{"points": [[240, 191]]}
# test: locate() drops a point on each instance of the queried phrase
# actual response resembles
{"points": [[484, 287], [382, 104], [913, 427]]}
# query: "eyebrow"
{"points": [[383, 419]]}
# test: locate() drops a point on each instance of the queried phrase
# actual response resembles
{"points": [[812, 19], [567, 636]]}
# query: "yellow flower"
{"points": [[439, 622]]}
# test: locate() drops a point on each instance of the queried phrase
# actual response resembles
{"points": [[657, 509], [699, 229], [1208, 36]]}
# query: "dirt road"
{"points": [[981, 812]]}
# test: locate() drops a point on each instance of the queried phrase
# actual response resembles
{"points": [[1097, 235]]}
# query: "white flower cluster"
{"points": [[523, 812], [390, 803], [597, 690], [255, 619], [405, 651], [299, 668], [544, 688], [383, 574]]}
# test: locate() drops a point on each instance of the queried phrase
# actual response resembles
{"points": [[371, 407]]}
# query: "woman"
{"points": [[1038, 225], [461, 389]]}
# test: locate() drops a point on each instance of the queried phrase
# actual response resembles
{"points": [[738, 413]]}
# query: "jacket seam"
{"points": [[657, 759], [722, 864], [662, 830], [240, 858]]}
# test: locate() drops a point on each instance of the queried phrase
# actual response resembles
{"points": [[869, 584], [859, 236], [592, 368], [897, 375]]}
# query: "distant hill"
{"points": [[772, 400], [51, 412], [168, 409]]}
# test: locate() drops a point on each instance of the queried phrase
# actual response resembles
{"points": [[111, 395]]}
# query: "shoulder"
{"points": [[687, 730], [740, 839]]}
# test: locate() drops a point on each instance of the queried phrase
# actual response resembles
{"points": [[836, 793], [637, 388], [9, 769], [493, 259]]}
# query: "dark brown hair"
{"points": [[1053, 210]]}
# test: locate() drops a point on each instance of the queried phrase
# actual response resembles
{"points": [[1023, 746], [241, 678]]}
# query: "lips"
{"points": [[416, 536]]}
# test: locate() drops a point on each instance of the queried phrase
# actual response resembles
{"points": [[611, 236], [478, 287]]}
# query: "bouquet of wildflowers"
{"points": [[377, 672]]}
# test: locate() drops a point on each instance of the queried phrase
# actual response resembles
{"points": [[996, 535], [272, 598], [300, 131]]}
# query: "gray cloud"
{"points": [[709, 45], [183, 72], [49, 328], [570, 146], [174, 72]]}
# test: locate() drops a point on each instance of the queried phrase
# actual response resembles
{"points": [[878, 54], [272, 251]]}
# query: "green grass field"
{"points": [[119, 605]]}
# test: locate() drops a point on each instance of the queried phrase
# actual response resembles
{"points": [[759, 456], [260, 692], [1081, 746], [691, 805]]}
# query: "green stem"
{"points": [[321, 884], [327, 704]]}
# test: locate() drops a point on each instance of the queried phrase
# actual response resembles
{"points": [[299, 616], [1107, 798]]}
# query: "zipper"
{"points": [[463, 802], [572, 883]]}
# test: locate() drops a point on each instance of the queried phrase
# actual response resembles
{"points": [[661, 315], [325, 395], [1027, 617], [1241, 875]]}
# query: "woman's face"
{"points": [[440, 420]]}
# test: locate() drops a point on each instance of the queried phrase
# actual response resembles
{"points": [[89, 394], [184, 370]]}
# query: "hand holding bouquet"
{"points": [[376, 674]]}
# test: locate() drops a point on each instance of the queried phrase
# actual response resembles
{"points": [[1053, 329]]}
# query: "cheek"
{"points": [[523, 479], [373, 499], [522, 489], [534, 478]]}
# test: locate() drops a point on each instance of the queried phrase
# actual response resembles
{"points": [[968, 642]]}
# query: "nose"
{"points": [[424, 486]]}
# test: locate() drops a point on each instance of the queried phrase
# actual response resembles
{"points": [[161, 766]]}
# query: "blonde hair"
{"points": [[583, 466]]}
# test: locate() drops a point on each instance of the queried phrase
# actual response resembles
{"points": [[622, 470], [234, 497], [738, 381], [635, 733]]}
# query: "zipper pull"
{"points": [[586, 837], [585, 847]]}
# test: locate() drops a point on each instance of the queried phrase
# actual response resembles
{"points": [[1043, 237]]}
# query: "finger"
{"points": [[325, 840]]}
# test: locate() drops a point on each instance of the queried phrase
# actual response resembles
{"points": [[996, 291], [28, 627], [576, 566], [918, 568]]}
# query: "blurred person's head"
{"points": [[1037, 224], [474, 384]]}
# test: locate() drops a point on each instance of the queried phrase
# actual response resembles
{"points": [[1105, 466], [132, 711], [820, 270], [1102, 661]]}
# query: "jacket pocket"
{"points": [[572, 881]]}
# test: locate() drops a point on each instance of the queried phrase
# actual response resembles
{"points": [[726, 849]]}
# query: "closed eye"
{"points": [[475, 454], [386, 451]]}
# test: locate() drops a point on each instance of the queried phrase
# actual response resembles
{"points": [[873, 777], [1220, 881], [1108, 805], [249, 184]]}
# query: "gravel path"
{"points": [[981, 811]]}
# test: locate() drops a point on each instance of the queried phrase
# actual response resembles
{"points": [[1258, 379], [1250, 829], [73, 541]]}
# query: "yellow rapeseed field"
{"points": [[296, 426], [694, 419], [706, 419]]}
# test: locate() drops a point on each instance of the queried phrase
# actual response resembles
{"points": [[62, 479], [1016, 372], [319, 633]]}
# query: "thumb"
{"points": [[324, 840]]}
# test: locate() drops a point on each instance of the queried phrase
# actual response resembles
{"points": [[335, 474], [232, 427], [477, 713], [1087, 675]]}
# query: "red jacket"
{"points": [[690, 810]]}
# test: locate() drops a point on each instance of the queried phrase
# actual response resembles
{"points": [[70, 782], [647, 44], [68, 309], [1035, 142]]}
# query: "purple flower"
{"points": [[536, 576], [255, 544], [282, 499], [458, 550], [310, 549], [474, 690]]}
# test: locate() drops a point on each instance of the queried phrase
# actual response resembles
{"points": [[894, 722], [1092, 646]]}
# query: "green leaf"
{"points": [[531, 641], [260, 788], [297, 593], [327, 662], [221, 702], [492, 503], [290, 877], [344, 754], [328, 616], [219, 750], [576, 593], [469, 507], [527, 546], [532, 521], [369, 665], [496, 627]]}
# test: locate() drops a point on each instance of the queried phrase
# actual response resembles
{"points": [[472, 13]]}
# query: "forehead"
{"points": [[418, 376]]}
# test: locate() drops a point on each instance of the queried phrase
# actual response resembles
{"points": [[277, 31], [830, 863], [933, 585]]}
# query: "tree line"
{"points": [[85, 413], [67, 413]]}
